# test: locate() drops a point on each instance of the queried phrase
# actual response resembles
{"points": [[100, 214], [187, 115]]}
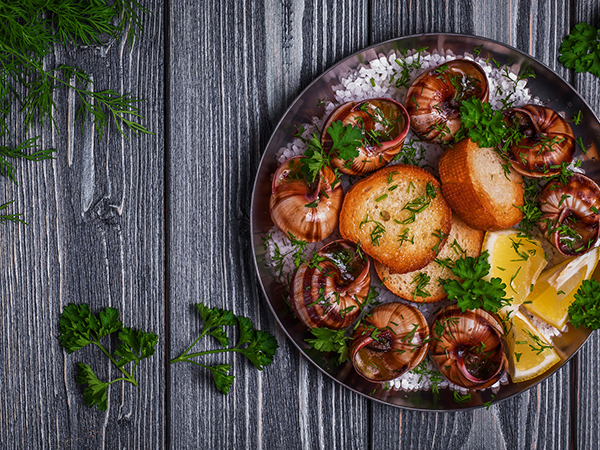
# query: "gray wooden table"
{"points": [[152, 224]]}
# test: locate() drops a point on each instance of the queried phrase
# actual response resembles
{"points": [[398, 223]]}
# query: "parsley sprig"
{"points": [[346, 139], [256, 345], [580, 50], [327, 340], [475, 292], [481, 123], [79, 327], [585, 310]]}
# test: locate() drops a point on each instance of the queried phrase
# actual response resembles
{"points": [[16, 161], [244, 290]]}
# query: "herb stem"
{"points": [[179, 358], [184, 357], [128, 377]]}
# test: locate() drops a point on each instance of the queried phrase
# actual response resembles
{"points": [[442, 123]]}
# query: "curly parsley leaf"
{"points": [[78, 327], [214, 320], [95, 392], [346, 140], [460, 399], [469, 268], [580, 50], [313, 159], [585, 310], [475, 292], [330, 341], [256, 345], [223, 380], [135, 346], [261, 345], [482, 124]]}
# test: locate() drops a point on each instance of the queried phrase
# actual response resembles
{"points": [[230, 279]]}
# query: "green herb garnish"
{"points": [[580, 50], [10, 217], [376, 233], [488, 403], [585, 310], [78, 328], [346, 140], [419, 204], [483, 125], [258, 346], [327, 340], [475, 292], [421, 280]]}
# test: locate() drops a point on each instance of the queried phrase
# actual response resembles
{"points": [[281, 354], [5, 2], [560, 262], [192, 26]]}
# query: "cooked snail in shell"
{"points": [[547, 141], [570, 217], [391, 341], [327, 293], [467, 347], [308, 210], [384, 124], [434, 99]]}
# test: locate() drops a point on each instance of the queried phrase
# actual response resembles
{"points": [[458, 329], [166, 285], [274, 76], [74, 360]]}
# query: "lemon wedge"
{"points": [[530, 354], [516, 260], [555, 288]]}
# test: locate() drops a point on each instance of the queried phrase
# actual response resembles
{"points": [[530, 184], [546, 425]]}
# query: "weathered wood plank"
{"points": [[235, 67], [585, 367], [536, 28], [95, 235]]}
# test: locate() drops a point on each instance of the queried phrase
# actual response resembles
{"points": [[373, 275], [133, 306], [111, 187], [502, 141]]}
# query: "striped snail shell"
{"points": [[327, 292], [389, 342]]}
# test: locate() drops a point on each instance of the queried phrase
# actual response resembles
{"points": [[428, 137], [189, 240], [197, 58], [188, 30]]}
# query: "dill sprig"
{"points": [[9, 217], [30, 30]]}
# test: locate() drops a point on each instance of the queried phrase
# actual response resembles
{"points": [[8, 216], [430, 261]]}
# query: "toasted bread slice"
{"points": [[395, 215], [462, 239], [478, 189]]}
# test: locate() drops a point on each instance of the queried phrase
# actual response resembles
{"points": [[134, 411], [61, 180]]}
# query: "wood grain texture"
{"points": [[585, 367], [234, 69], [95, 235], [510, 424], [151, 226]]}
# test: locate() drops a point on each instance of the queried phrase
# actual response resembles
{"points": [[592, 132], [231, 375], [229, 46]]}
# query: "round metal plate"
{"points": [[547, 85]]}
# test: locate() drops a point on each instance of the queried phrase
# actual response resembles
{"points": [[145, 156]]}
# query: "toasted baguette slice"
{"points": [[376, 213], [475, 185], [462, 238]]}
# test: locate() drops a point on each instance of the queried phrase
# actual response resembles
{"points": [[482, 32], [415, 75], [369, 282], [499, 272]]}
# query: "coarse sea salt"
{"points": [[377, 79]]}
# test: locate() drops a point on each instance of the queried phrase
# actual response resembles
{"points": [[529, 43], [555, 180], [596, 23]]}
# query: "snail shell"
{"points": [[433, 100], [570, 217], [467, 347], [548, 141], [327, 294], [307, 210], [389, 342], [384, 123]]}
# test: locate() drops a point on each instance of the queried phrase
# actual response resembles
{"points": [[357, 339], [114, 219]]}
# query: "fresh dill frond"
{"points": [[30, 30]]}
